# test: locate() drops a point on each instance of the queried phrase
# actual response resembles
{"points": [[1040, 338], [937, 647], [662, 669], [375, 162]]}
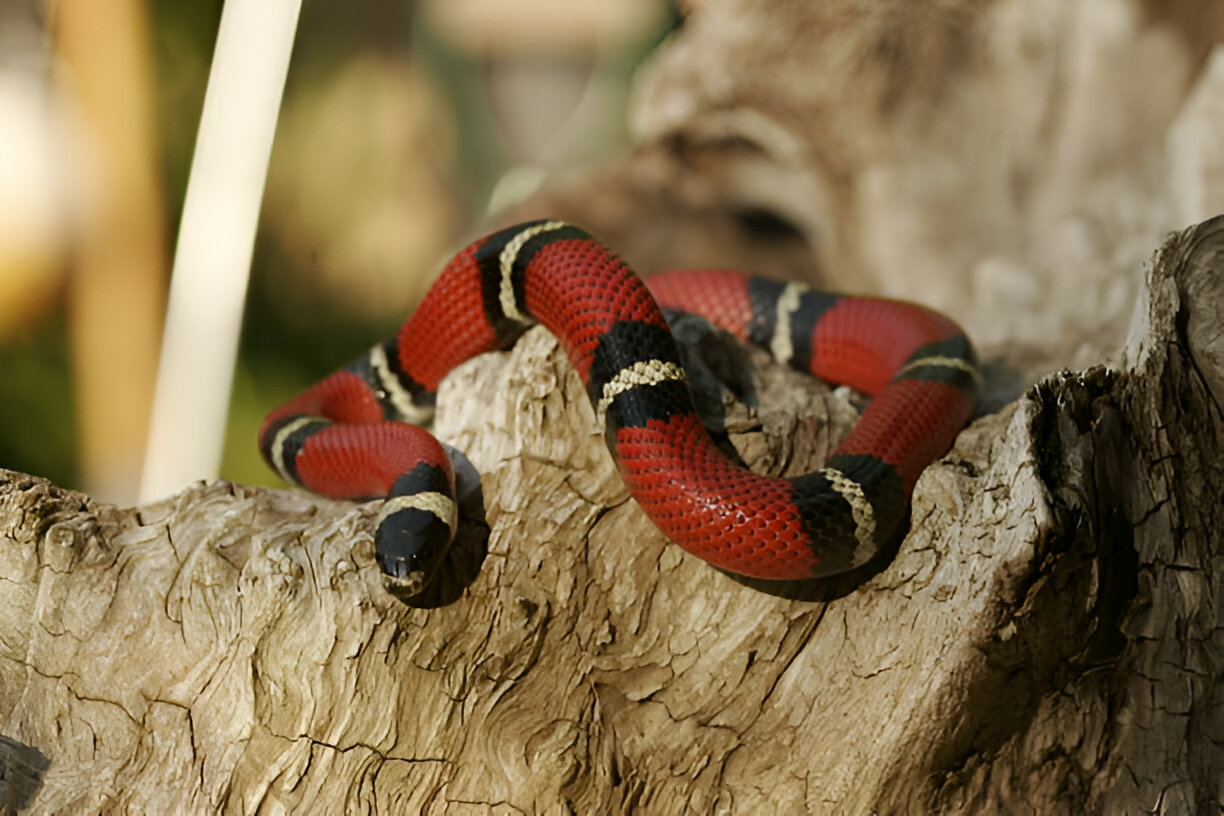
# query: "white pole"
{"points": [[213, 257]]}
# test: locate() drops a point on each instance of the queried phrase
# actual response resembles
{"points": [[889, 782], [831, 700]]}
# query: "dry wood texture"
{"points": [[1046, 639]]}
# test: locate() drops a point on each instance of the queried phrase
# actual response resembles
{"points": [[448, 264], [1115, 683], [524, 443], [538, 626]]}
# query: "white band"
{"points": [[860, 508], [439, 504], [782, 346], [638, 375], [400, 398], [509, 255], [278, 443], [942, 362]]}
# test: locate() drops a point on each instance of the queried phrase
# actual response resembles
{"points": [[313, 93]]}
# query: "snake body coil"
{"points": [[348, 436]]}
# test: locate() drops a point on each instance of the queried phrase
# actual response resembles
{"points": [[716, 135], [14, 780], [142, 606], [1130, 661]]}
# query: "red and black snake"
{"points": [[349, 435]]}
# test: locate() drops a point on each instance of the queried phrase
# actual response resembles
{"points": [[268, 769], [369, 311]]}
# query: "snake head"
{"points": [[415, 528], [409, 551]]}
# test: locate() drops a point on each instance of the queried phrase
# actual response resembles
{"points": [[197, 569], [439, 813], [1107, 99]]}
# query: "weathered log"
{"points": [[1046, 637]]}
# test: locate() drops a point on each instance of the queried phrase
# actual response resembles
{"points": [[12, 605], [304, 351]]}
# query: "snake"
{"points": [[357, 434]]}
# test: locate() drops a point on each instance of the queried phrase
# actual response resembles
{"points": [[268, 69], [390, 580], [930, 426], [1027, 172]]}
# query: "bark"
{"points": [[1045, 640]]}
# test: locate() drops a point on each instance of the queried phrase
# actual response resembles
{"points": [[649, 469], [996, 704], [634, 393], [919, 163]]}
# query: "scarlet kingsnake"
{"points": [[348, 436]]}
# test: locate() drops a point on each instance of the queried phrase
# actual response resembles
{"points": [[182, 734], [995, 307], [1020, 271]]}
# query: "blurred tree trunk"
{"points": [[120, 260], [1046, 639]]}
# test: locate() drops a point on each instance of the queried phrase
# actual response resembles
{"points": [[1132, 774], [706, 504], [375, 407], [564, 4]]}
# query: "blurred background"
{"points": [[404, 126]]}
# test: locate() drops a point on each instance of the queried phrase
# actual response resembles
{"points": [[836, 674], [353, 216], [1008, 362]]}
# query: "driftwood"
{"points": [[1045, 640]]}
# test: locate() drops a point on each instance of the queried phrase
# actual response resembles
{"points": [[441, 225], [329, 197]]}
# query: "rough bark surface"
{"points": [[1046, 639]]}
